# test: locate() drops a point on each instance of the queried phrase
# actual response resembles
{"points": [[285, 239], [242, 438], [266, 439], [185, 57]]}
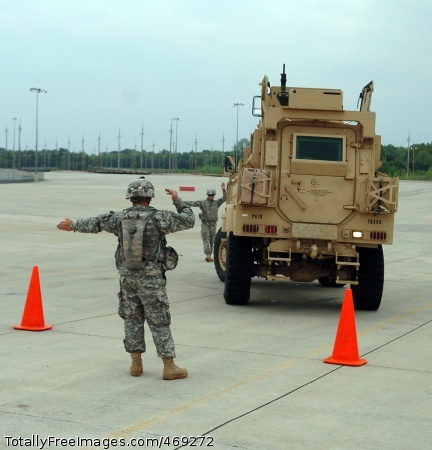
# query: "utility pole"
{"points": [[99, 155], [413, 149], [196, 150], [69, 155], [142, 146], [13, 149], [223, 150], [175, 150], [237, 141], [118, 153], [82, 154], [57, 155], [408, 154], [19, 145], [170, 150]]}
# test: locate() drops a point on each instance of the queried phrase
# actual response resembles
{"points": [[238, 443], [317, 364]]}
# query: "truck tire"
{"points": [[238, 270], [220, 254], [368, 293]]}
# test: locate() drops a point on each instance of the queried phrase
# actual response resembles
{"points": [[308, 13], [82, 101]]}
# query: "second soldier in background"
{"points": [[209, 217]]}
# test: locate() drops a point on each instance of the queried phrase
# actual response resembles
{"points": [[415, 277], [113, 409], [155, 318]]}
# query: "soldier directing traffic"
{"points": [[209, 216], [141, 259]]}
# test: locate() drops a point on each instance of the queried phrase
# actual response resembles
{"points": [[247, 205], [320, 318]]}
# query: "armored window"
{"points": [[319, 148]]}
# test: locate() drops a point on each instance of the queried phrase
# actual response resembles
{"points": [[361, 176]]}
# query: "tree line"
{"points": [[205, 161], [414, 162]]}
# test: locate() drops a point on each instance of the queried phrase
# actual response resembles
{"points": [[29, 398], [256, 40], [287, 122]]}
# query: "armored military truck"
{"points": [[305, 201]]}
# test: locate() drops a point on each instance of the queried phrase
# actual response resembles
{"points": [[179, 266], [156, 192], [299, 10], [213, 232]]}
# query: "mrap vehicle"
{"points": [[306, 201]]}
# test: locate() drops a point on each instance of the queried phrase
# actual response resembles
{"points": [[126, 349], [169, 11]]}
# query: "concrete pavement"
{"points": [[256, 376]]}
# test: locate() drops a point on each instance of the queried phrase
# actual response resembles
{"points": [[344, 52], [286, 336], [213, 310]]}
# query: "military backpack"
{"points": [[136, 255]]}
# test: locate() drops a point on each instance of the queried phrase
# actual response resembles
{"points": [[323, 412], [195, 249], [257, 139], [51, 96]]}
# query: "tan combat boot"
{"points": [[208, 257], [171, 371], [136, 369]]}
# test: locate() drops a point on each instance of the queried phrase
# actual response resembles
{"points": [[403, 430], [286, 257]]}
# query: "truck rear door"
{"points": [[317, 174]]}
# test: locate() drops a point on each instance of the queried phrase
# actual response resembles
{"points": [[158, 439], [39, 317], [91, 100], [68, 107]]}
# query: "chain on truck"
{"points": [[306, 201]]}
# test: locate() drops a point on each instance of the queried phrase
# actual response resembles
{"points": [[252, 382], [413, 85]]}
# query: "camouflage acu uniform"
{"points": [[143, 293], [209, 218]]}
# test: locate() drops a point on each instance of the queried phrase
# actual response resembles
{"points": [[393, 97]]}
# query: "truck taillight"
{"points": [[271, 229], [255, 228], [250, 228], [378, 236]]}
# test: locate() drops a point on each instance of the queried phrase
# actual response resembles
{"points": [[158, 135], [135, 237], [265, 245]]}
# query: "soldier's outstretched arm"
{"points": [[175, 197], [104, 222], [196, 204], [173, 193], [65, 225], [221, 200], [170, 222]]}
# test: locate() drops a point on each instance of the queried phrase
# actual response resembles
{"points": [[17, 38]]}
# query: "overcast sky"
{"points": [[113, 66]]}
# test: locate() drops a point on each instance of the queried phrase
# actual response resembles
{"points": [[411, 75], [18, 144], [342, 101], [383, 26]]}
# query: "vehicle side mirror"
{"points": [[256, 106], [229, 165]]}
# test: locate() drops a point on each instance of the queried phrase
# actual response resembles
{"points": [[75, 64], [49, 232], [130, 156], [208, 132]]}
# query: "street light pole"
{"points": [[175, 150], [142, 147], [237, 142], [118, 151], [19, 145], [13, 149], [37, 91], [170, 150], [408, 155]]}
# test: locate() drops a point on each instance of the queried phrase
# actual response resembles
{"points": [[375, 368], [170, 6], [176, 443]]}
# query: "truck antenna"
{"points": [[282, 96], [283, 80]]}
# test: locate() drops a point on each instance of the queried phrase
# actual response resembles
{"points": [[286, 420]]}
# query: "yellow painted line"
{"points": [[187, 406], [395, 319], [139, 426]]}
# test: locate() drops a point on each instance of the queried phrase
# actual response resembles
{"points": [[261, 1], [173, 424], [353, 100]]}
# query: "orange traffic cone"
{"points": [[345, 350], [33, 317]]}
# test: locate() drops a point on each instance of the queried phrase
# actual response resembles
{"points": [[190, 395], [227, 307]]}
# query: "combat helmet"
{"points": [[211, 192], [140, 188]]}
